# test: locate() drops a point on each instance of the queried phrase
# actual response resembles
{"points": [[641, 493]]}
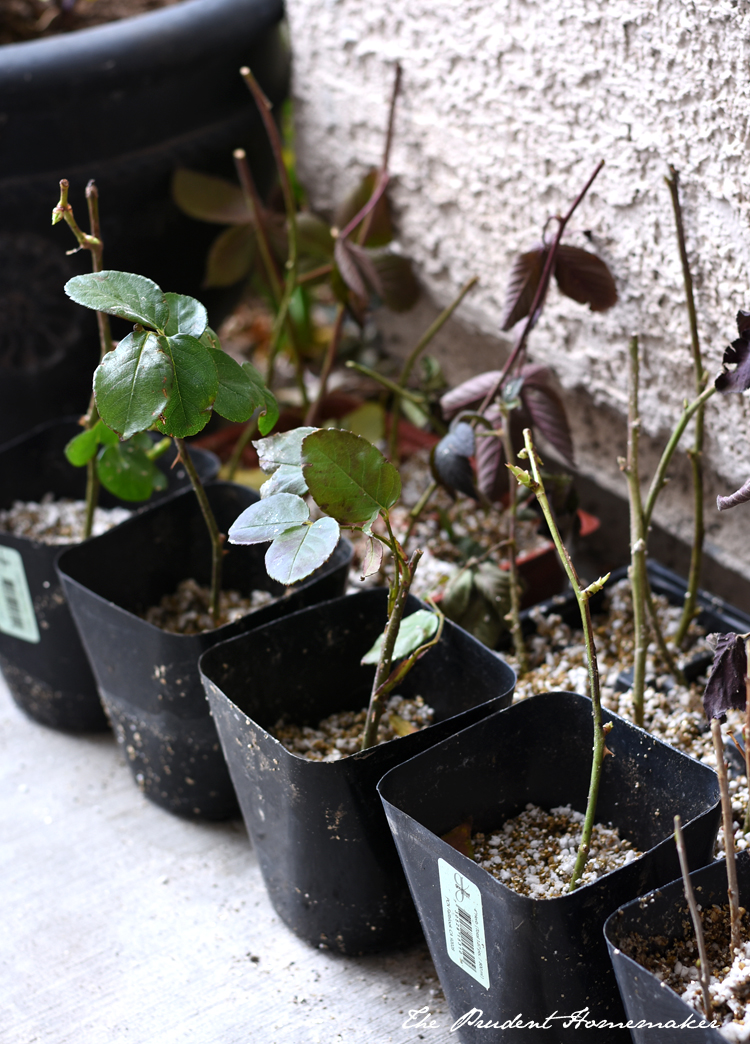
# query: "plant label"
{"points": [[464, 923], [16, 609]]}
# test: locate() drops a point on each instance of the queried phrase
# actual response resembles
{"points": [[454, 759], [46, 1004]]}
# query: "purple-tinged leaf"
{"points": [[363, 260], [469, 394], [522, 285], [450, 461], [725, 689], [737, 355], [381, 228], [348, 268], [584, 277], [399, 288], [547, 410], [740, 497], [743, 322], [492, 478]]}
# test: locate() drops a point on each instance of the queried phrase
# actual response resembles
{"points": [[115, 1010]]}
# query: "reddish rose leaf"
{"points": [[547, 412], [725, 689], [584, 277], [522, 285], [468, 394], [737, 355]]}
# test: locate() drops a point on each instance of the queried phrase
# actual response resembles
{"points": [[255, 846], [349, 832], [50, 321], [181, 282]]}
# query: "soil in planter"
{"points": [[187, 611], [57, 521], [31, 19], [341, 734], [673, 962], [534, 853]]}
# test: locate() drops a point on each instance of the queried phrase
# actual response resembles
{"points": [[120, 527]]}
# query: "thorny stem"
{"points": [[93, 243], [705, 967], [411, 359], [637, 569], [733, 892], [746, 734], [519, 645], [217, 540], [659, 480], [290, 282], [695, 454], [401, 586], [540, 294], [535, 484]]}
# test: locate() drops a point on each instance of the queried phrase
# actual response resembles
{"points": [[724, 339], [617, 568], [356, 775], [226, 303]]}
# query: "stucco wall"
{"points": [[506, 108]]}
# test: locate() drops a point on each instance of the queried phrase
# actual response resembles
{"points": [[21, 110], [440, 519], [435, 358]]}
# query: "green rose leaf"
{"points": [[348, 477], [82, 448], [231, 256], [301, 550], [270, 412], [415, 630], [236, 398], [124, 294], [126, 471], [132, 383], [284, 448], [208, 198], [194, 387], [186, 316], [287, 478], [267, 519]]}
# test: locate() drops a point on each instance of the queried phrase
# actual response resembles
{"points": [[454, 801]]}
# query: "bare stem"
{"points": [[733, 892], [519, 645], [637, 569], [540, 294], [746, 734], [536, 485], [239, 447], [313, 413], [695, 454], [705, 967], [217, 539], [666, 655]]}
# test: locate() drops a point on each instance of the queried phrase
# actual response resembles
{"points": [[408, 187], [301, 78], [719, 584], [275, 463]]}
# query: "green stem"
{"points": [[696, 454], [393, 386], [659, 480], [395, 615], [411, 359], [239, 447], [637, 569], [582, 598], [519, 645], [216, 538]]}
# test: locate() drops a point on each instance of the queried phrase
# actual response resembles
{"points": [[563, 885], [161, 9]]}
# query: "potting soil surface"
{"points": [[188, 609], [57, 521], [123, 924]]}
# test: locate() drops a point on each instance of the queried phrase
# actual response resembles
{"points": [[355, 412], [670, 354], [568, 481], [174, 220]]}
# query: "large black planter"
{"points": [[125, 104], [41, 655], [148, 678], [323, 844], [665, 913], [538, 957]]}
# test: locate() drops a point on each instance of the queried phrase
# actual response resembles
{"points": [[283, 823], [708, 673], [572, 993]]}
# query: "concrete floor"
{"points": [[122, 923]]}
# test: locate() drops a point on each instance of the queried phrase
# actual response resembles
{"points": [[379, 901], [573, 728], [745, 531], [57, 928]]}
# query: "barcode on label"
{"points": [[17, 616], [463, 922]]}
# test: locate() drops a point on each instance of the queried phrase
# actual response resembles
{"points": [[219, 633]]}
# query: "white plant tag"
{"points": [[16, 609], [464, 923]]}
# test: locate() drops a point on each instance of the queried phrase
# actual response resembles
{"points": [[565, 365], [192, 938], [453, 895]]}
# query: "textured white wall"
{"points": [[506, 107]]}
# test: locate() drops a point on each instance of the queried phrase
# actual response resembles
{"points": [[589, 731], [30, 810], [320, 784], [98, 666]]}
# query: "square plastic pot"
{"points": [[148, 678], [665, 913], [323, 844], [41, 655], [503, 954]]}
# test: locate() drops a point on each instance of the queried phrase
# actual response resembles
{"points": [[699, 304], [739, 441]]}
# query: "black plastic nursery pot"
{"points": [[504, 958], [148, 678], [665, 913], [126, 104], [323, 844], [41, 656]]}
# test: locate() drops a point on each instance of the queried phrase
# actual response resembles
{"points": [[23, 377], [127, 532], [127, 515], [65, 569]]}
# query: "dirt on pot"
{"points": [[188, 609], [341, 734], [22, 20], [57, 521]]}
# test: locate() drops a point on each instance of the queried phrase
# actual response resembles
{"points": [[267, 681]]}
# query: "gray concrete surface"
{"points": [[122, 924]]}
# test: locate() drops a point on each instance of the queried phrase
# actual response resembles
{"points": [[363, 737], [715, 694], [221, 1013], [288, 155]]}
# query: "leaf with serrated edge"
{"points": [[300, 551], [492, 477], [186, 316], [124, 294], [131, 384], [267, 519], [415, 630], [208, 198], [287, 478], [522, 285], [548, 416], [194, 387], [236, 399], [584, 277], [348, 477], [284, 448], [469, 393]]}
